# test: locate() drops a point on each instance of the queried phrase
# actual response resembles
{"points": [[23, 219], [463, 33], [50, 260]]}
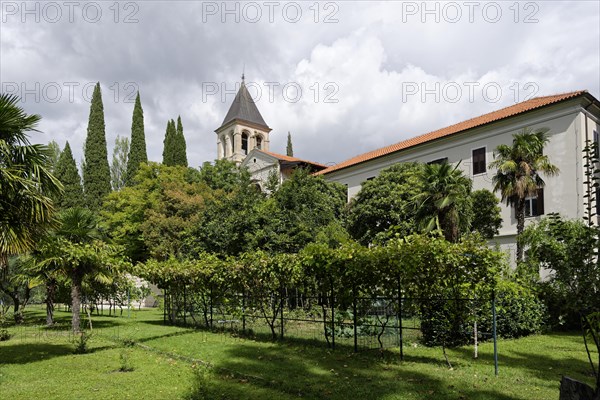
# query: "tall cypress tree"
{"points": [[137, 149], [180, 146], [289, 150], [169, 144], [66, 171], [96, 172]]}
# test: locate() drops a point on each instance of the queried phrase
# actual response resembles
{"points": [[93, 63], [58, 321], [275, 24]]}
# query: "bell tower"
{"points": [[243, 128]]}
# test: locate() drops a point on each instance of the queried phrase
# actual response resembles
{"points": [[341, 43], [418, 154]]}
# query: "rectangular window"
{"points": [[439, 161], [534, 205], [596, 144], [478, 158]]}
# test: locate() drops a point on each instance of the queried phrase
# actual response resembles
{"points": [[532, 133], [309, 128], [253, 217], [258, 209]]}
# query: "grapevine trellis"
{"points": [[421, 289]]}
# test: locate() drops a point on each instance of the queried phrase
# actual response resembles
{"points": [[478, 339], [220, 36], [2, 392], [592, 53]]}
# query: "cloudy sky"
{"points": [[344, 77]]}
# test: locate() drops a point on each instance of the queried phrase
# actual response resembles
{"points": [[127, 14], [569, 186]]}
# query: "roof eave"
{"points": [[583, 94]]}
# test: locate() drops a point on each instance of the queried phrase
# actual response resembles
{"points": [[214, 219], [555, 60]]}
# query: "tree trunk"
{"points": [[75, 301], [520, 210], [50, 290], [17, 313]]}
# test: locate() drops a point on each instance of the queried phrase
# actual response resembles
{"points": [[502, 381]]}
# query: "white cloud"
{"points": [[373, 54]]}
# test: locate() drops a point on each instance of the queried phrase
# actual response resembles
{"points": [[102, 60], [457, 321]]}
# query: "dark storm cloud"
{"points": [[373, 55]]}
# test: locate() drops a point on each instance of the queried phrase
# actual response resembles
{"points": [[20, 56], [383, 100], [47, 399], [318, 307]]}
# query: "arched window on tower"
{"points": [[259, 142], [245, 143]]}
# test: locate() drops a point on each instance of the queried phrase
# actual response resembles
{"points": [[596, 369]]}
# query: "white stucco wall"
{"points": [[261, 166], [562, 194]]}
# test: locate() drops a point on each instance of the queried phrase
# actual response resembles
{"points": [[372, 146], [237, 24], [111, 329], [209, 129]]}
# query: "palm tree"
{"points": [[45, 265], [444, 203], [73, 251], [25, 181], [81, 253], [518, 172]]}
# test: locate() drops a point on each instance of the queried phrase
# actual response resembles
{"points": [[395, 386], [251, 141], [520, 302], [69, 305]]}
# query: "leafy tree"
{"points": [[224, 174], [137, 150], [118, 168], [444, 203], [292, 216], [180, 154], [230, 217], [151, 217], [289, 149], [519, 168], [566, 248], [569, 250], [272, 182], [384, 206], [16, 283], [44, 264], [26, 183], [67, 173], [486, 213], [96, 172], [169, 145], [54, 149]]}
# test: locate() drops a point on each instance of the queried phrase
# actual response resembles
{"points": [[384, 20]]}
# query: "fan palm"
{"points": [[518, 172], [444, 202], [25, 181], [81, 254]]}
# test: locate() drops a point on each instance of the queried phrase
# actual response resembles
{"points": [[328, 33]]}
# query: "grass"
{"points": [[168, 362]]}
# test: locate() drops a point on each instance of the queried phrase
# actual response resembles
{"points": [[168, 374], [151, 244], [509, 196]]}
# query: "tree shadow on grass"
{"points": [[251, 371], [25, 353], [164, 336], [539, 366]]}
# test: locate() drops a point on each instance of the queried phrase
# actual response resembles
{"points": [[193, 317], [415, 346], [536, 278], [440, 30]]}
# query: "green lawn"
{"points": [[169, 363]]}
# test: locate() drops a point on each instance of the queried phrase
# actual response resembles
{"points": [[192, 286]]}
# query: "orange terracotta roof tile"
{"points": [[494, 116], [292, 159]]}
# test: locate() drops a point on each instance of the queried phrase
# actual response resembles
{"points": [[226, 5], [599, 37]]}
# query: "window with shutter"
{"points": [[478, 160], [534, 205]]}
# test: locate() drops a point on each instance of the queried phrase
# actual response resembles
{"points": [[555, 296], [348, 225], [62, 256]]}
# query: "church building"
{"points": [[243, 138], [573, 120]]}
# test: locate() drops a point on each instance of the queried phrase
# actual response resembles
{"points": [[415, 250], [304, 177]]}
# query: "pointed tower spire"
{"points": [[243, 128], [244, 109]]}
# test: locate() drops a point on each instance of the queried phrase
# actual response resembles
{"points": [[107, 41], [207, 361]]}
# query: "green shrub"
{"points": [[560, 314], [445, 322], [81, 343], [124, 359], [519, 311], [4, 335]]}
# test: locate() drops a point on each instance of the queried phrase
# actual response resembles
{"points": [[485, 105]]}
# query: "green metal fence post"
{"points": [[400, 322], [211, 307], [164, 306], [494, 332], [354, 319], [184, 304], [332, 318], [244, 311], [281, 313]]}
